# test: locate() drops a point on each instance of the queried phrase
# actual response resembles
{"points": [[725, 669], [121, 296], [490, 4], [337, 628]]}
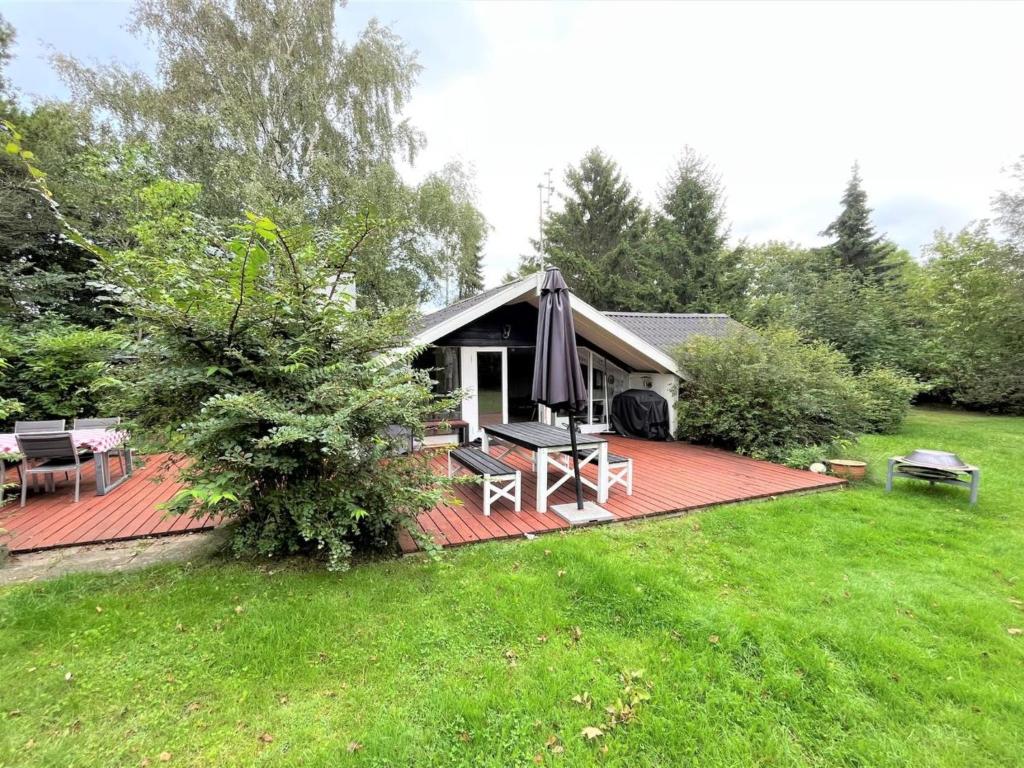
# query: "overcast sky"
{"points": [[782, 98]]}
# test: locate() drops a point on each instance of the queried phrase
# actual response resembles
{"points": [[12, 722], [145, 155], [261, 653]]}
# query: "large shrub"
{"points": [[766, 394], [887, 397], [277, 392], [54, 368]]}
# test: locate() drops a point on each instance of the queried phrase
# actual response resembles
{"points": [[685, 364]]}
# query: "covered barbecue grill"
{"points": [[935, 467], [640, 413]]}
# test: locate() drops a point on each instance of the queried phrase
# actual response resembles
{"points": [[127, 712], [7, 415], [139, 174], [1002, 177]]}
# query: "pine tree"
{"points": [[690, 235], [856, 245], [471, 274], [596, 237]]}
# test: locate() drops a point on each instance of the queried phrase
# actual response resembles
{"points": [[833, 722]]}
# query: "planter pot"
{"points": [[850, 470]]}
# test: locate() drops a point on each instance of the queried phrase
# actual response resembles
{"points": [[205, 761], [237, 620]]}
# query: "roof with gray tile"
{"points": [[667, 330], [664, 330]]}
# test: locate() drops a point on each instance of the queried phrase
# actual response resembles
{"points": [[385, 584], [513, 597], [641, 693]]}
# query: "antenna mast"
{"points": [[544, 191]]}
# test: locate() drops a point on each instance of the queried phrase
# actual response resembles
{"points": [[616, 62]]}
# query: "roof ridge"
{"points": [[476, 296], [666, 314]]}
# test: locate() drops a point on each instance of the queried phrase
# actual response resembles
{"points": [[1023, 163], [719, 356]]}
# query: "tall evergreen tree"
{"points": [[690, 234], [596, 238], [855, 244], [471, 273]]}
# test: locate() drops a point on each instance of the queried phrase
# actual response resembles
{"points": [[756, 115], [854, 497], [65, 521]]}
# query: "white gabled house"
{"points": [[485, 345]]}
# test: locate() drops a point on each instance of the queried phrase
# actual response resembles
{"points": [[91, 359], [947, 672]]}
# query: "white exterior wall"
{"points": [[666, 385]]}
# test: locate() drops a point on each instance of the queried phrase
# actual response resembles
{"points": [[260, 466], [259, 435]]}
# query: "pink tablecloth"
{"points": [[96, 440]]}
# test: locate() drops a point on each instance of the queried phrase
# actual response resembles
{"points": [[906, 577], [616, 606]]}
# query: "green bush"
{"points": [[53, 368], [278, 393], [887, 396], [770, 393]]}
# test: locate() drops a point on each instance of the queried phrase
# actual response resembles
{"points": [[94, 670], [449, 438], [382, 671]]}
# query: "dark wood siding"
{"points": [[513, 325]]}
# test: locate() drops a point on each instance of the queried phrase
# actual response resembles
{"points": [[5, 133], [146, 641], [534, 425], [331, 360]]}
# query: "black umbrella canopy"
{"points": [[557, 377]]}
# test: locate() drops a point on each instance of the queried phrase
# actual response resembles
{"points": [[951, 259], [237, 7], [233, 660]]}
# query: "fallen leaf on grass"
{"points": [[583, 699], [266, 738], [713, 639], [165, 757], [1015, 631], [590, 733], [99, 609], [542, 638], [561, 574], [538, 759], [465, 737], [354, 746], [239, 609]]}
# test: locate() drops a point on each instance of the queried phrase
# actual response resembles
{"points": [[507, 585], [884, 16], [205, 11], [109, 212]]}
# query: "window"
{"points": [[443, 365]]}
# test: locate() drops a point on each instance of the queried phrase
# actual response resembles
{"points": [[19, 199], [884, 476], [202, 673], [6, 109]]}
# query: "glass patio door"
{"points": [[485, 377]]}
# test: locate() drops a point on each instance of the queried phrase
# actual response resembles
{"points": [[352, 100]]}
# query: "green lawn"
{"points": [[845, 628]]}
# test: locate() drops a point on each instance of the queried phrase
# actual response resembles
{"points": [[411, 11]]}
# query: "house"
{"points": [[485, 345]]}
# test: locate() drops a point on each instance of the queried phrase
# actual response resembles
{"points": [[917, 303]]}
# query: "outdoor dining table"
{"points": [[546, 443], [100, 441]]}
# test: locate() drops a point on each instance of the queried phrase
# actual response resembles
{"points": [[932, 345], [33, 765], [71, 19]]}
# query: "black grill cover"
{"points": [[640, 413]]}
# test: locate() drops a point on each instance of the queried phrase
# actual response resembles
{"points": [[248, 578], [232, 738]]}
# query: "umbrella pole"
{"points": [[575, 461]]}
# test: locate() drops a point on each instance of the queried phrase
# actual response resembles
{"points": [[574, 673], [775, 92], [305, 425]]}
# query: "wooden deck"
{"points": [[130, 511], [667, 478]]}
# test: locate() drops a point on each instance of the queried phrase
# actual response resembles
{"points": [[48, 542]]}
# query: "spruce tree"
{"points": [[855, 243], [471, 275], [596, 237], [690, 234]]}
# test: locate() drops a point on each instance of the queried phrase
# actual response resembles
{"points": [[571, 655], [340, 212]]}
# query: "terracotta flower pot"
{"points": [[848, 469]]}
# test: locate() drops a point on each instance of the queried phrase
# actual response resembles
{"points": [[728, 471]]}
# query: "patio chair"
{"points": [[100, 423], [34, 427], [108, 422], [55, 452]]}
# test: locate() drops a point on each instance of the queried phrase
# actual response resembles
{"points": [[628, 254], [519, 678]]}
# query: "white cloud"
{"points": [[781, 97]]}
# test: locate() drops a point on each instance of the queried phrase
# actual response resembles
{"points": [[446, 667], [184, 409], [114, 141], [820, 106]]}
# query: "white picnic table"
{"points": [[100, 441]]}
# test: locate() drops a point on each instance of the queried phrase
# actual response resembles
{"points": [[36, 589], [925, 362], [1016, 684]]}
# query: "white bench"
{"points": [[501, 481]]}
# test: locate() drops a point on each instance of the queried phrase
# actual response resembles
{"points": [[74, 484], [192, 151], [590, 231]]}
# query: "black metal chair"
{"points": [[54, 452]]}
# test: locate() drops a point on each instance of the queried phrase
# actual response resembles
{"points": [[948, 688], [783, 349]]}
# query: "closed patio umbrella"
{"points": [[557, 377]]}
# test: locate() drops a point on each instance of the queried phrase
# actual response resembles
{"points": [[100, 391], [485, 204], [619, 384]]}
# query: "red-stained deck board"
{"points": [[667, 478], [130, 511]]}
